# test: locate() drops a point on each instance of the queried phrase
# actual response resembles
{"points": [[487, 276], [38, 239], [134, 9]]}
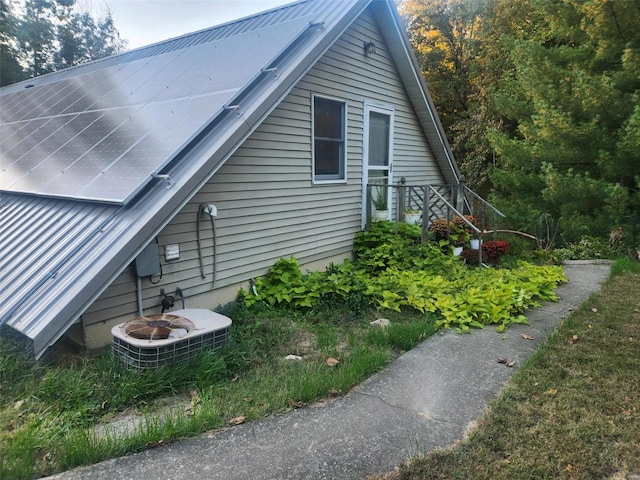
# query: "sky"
{"points": [[143, 22]]}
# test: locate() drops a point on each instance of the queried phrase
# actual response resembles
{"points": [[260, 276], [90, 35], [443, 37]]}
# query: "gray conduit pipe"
{"points": [[139, 295], [207, 209]]}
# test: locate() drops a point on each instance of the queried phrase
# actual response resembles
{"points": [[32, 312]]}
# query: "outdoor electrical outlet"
{"points": [[172, 252]]}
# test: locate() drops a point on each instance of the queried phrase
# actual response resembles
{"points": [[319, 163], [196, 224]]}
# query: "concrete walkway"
{"points": [[425, 400]]}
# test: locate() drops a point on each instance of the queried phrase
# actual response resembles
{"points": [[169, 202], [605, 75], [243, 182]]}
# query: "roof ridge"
{"points": [[229, 25]]}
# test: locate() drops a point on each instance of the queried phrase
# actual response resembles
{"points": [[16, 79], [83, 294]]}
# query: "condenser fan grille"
{"points": [[158, 327]]}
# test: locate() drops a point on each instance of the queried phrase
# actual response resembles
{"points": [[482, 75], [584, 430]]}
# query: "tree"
{"points": [[543, 95], [445, 35], [46, 35], [84, 38], [571, 89], [10, 69], [36, 35]]}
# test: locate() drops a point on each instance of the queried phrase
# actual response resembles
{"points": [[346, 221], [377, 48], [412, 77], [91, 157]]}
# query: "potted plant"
{"points": [[463, 228], [380, 203], [440, 228], [412, 216], [471, 256], [494, 249], [459, 234], [476, 237], [458, 239]]}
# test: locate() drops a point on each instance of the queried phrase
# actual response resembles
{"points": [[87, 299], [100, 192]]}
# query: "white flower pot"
{"points": [[475, 244], [457, 251], [381, 214], [412, 218]]}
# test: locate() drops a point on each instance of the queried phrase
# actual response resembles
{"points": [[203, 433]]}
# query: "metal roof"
{"points": [[61, 246]]}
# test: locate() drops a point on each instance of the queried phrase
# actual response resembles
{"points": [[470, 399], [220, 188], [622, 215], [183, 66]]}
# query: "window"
{"points": [[328, 140]]}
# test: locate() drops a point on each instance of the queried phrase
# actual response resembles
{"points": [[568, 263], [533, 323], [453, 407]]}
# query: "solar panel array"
{"points": [[102, 134]]}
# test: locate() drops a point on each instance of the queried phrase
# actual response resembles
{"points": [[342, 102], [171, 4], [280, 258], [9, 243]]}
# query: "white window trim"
{"points": [[320, 181]]}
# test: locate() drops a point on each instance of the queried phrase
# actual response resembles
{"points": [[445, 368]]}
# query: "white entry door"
{"points": [[377, 168]]}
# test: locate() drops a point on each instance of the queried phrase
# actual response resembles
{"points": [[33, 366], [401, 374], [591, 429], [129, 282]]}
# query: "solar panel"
{"points": [[103, 134]]}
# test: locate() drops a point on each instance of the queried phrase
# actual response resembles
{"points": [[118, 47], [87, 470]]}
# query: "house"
{"points": [[216, 153]]}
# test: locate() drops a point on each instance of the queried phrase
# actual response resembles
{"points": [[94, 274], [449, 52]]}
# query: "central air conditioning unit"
{"points": [[156, 340]]}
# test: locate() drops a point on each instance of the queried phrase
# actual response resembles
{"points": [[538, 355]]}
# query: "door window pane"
{"points": [[379, 125]]}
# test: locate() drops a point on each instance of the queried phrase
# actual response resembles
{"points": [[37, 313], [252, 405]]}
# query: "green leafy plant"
{"points": [[396, 271], [380, 197], [588, 248], [462, 229], [392, 272]]}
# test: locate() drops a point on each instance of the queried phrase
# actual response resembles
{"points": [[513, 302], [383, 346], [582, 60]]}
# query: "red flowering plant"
{"points": [[494, 249]]}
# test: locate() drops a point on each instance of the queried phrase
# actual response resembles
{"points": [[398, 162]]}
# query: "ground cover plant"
{"points": [[572, 410], [395, 271], [68, 410]]}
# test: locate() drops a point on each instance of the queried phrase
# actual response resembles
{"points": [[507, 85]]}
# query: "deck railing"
{"points": [[439, 202]]}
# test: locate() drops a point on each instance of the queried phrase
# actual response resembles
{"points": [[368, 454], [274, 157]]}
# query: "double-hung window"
{"points": [[329, 140]]}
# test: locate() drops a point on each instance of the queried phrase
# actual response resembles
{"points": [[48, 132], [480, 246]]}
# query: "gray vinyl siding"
{"points": [[268, 206]]}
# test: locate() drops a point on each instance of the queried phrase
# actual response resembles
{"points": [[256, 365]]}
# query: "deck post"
{"points": [[460, 196], [367, 207], [425, 212], [402, 198]]}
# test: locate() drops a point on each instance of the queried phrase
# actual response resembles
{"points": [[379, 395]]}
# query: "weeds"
{"points": [[53, 416], [625, 264]]}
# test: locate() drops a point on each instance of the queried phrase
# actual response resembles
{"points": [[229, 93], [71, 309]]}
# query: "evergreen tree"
{"points": [[36, 35], [571, 90], [84, 38]]}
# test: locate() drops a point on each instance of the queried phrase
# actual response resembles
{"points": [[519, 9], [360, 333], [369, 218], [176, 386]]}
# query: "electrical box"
{"points": [[148, 261], [172, 252]]}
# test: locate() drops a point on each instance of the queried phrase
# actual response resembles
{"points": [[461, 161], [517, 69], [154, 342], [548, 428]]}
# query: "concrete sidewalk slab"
{"points": [[425, 400]]}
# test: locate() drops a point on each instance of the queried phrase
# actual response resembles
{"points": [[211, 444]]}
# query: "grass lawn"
{"points": [[72, 410], [571, 411]]}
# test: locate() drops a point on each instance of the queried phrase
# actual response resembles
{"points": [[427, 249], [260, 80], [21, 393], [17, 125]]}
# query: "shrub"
{"points": [[587, 248], [494, 249], [397, 272]]}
